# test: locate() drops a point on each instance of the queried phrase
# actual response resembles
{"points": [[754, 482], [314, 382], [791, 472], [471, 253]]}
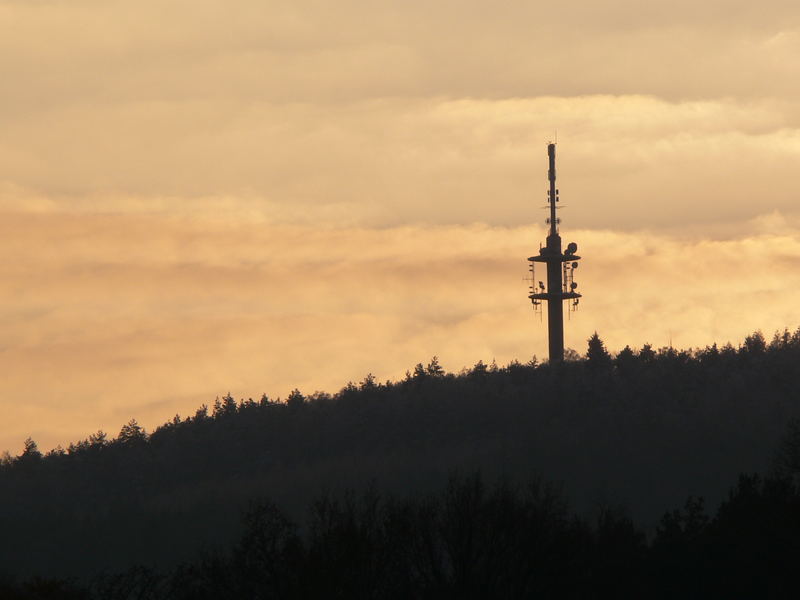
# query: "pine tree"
{"points": [[625, 361], [434, 368], [596, 354], [295, 398], [30, 451], [131, 433]]}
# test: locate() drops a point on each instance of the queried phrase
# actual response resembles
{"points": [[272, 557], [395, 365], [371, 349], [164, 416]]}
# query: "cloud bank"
{"points": [[109, 317], [392, 113], [202, 197]]}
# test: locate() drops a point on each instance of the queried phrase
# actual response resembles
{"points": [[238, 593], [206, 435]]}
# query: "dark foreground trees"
{"points": [[470, 541], [478, 541]]}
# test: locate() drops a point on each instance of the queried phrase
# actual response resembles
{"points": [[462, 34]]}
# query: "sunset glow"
{"points": [[199, 198]]}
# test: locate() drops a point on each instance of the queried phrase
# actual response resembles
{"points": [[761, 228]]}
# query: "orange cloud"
{"points": [[195, 200], [108, 317]]}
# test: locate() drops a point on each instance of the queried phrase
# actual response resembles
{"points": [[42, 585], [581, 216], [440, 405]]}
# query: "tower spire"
{"points": [[560, 271], [552, 193]]}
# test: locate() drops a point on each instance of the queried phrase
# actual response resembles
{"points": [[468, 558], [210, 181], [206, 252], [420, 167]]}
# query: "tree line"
{"points": [[641, 429], [474, 540]]}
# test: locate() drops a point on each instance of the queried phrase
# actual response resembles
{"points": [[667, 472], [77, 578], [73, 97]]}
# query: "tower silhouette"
{"points": [[560, 270]]}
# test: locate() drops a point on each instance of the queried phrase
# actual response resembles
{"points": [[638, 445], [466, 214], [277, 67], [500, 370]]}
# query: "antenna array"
{"points": [[560, 281]]}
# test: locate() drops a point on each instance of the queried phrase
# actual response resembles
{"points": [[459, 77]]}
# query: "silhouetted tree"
{"points": [[201, 414], [224, 407], [99, 439], [479, 369], [30, 451], [132, 433], [647, 354], [368, 383], [434, 368], [596, 355], [626, 362], [295, 399], [755, 344], [419, 371]]}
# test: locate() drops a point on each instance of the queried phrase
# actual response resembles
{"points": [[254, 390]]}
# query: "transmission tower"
{"points": [[560, 271]]}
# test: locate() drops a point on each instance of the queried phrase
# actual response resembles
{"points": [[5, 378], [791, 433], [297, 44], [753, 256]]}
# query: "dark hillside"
{"points": [[643, 430]]}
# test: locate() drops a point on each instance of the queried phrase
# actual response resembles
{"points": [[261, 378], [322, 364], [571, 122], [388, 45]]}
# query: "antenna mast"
{"points": [[560, 270]]}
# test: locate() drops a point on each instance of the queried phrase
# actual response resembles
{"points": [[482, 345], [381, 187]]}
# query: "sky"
{"points": [[207, 197]]}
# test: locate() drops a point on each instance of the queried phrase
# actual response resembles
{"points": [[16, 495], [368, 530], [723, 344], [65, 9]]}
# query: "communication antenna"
{"points": [[561, 267]]}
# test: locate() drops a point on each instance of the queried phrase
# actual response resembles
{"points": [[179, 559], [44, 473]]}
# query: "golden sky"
{"points": [[251, 196]]}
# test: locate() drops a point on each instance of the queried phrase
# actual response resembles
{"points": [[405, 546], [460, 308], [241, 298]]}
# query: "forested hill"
{"points": [[642, 430]]}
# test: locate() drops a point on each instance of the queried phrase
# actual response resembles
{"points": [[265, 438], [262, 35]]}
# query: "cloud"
{"points": [[197, 198], [384, 114], [106, 317], [303, 51], [624, 162]]}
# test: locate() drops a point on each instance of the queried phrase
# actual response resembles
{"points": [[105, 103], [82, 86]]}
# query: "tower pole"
{"points": [[560, 266], [555, 306]]}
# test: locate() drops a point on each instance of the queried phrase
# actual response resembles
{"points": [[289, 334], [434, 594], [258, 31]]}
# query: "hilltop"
{"points": [[639, 431]]}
